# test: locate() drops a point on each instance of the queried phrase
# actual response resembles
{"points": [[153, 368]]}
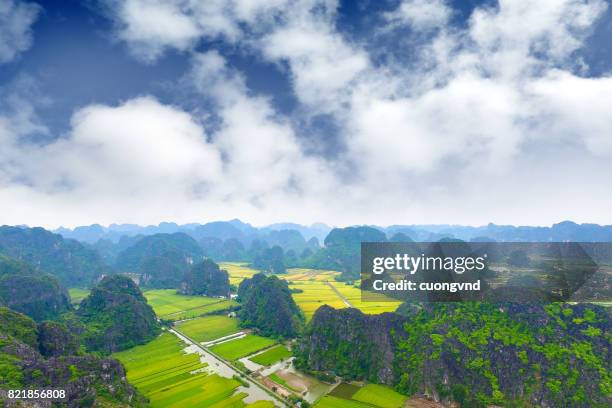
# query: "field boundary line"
{"points": [[255, 382], [340, 295]]}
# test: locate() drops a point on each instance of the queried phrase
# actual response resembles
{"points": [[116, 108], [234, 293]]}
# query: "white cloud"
{"points": [[488, 122], [323, 65], [16, 19], [141, 159], [420, 14], [151, 27]]}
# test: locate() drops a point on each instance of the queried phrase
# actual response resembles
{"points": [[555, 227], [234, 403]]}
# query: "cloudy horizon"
{"points": [[391, 112]]}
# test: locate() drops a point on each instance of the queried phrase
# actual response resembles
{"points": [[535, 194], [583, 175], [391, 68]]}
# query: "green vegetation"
{"points": [[163, 373], [170, 378], [272, 355], [242, 347], [169, 305], [116, 316], [161, 259], [208, 327], [267, 305], [380, 396], [371, 395], [476, 354], [311, 289], [18, 326], [270, 260], [344, 390], [238, 271], [68, 260], [342, 249], [538, 342], [313, 295], [88, 380], [274, 377], [205, 278], [31, 292], [77, 294], [329, 401]]}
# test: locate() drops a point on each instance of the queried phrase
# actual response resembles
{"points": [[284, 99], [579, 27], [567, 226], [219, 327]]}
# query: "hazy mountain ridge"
{"points": [[69, 260], [275, 234]]}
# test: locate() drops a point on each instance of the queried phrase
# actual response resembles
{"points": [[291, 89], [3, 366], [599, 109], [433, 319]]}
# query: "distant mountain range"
{"points": [[246, 233], [218, 229]]}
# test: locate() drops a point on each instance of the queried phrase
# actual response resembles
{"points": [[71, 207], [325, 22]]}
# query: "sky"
{"points": [[357, 112]]}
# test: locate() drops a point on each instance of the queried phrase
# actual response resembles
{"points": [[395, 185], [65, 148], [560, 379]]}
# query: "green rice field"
{"points": [[314, 295], [165, 374], [380, 396], [334, 402], [353, 295], [236, 349], [370, 395], [169, 305], [208, 328], [77, 294], [271, 355], [238, 271], [274, 377]]}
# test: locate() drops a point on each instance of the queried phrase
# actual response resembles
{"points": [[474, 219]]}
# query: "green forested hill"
{"points": [[475, 354], [69, 260], [116, 316], [34, 293], [162, 259], [87, 380], [205, 278], [267, 305], [342, 250]]}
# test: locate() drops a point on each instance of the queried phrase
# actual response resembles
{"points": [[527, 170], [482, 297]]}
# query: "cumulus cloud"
{"points": [[151, 27], [140, 159], [16, 19], [493, 120], [420, 14]]}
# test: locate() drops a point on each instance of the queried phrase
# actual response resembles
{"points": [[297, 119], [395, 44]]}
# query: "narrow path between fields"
{"points": [[194, 308], [345, 300], [255, 391]]}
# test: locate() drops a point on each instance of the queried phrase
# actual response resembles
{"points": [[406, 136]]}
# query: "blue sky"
{"points": [[380, 112]]}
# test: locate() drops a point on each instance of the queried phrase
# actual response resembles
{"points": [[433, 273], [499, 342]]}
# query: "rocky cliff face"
{"points": [[352, 345], [474, 354], [87, 380]]}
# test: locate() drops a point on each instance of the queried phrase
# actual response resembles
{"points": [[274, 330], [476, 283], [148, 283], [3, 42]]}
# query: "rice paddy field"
{"points": [[313, 295], [301, 274], [169, 377], [238, 271], [370, 395], [353, 295], [380, 396], [208, 328], [169, 305], [77, 294], [316, 291], [242, 347], [271, 355], [329, 401]]}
